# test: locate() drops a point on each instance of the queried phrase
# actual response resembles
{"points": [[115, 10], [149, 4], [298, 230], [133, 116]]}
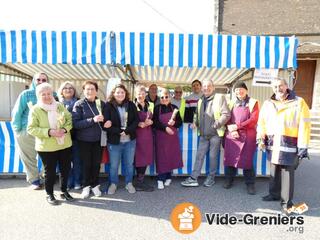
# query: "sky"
{"points": [[178, 16]]}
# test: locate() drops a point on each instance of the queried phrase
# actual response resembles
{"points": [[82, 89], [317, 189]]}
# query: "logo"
{"points": [[185, 218]]}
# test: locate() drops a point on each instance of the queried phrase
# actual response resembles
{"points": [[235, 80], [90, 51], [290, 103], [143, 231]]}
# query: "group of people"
{"points": [[71, 132]]}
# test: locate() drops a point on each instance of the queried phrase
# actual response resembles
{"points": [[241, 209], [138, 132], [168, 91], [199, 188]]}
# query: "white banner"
{"points": [[264, 77]]}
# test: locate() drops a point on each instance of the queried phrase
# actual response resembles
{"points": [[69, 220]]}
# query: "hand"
{"points": [[193, 126], [122, 134], [142, 124], [232, 127], [148, 122], [107, 124], [169, 131], [303, 153], [171, 122], [98, 118], [235, 134], [56, 132]]}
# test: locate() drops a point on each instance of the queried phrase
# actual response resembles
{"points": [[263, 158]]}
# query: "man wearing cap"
{"points": [[240, 138], [192, 100], [284, 131]]}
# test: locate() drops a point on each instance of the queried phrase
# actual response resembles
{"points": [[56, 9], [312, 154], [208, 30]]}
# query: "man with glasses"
{"points": [[179, 101], [26, 100]]}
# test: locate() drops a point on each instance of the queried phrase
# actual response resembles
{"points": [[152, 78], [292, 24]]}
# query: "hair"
{"points": [[42, 87], [89, 82], [111, 98], [153, 84], [140, 88], [178, 88], [164, 91], [208, 81], [281, 79], [196, 80], [62, 86]]}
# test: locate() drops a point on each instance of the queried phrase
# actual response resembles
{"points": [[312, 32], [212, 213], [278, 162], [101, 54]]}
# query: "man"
{"points": [[25, 141], [212, 115], [179, 101], [284, 130], [192, 100], [153, 94]]}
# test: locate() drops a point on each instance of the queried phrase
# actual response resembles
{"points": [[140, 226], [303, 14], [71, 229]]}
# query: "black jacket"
{"points": [[82, 119], [165, 109], [111, 113]]}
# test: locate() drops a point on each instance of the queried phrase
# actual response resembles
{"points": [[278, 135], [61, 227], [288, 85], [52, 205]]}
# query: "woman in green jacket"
{"points": [[50, 123]]}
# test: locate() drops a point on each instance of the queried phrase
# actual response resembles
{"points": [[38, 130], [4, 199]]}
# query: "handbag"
{"points": [[105, 155], [103, 137]]}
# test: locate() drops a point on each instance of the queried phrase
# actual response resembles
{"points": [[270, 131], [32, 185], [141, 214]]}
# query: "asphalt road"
{"points": [[25, 214]]}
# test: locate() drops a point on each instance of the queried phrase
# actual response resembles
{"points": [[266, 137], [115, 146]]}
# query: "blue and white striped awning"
{"points": [[148, 49]]}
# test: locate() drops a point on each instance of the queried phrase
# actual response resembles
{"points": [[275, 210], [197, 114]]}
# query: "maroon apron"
{"points": [[168, 153], [239, 152], [144, 143]]}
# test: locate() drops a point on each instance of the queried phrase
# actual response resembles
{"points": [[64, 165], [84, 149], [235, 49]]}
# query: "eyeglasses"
{"points": [[41, 80], [67, 88], [164, 97]]}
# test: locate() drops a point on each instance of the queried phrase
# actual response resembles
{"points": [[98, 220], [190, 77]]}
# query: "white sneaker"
{"points": [[96, 191], [160, 185], [112, 189], [167, 182], [85, 192], [130, 188]]}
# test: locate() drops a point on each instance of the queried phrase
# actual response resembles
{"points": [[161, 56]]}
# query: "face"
{"points": [[90, 92], [46, 96], [141, 95], [119, 95], [196, 87], [207, 89], [241, 93], [178, 93], [153, 90], [68, 91], [280, 89], [41, 79], [165, 98]]}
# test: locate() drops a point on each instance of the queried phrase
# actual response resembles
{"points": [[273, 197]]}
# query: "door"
{"points": [[305, 80]]}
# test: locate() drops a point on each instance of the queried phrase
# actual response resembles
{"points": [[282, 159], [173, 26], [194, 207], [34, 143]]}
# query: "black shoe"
{"points": [[251, 190], [270, 198], [142, 186], [66, 196], [228, 184], [52, 200]]}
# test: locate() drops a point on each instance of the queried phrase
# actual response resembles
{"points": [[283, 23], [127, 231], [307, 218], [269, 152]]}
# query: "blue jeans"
{"points": [[124, 152], [75, 171]]}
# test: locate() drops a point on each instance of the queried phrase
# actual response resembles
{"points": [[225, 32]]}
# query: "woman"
{"points": [[68, 96], [167, 120], [88, 121], [240, 138], [121, 136], [50, 123], [144, 142]]}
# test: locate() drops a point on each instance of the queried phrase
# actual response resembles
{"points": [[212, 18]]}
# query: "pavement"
{"points": [[25, 214]]}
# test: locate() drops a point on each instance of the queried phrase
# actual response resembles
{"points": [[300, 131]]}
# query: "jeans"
{"points": [[75, 171], [125, 152]]}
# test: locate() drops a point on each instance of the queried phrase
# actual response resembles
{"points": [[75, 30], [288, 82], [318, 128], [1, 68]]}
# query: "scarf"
{"points": [[54, 118], [242, 103]]}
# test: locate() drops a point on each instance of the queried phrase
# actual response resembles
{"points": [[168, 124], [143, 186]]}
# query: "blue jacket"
{"points": [[20, 112], [82, 119]]}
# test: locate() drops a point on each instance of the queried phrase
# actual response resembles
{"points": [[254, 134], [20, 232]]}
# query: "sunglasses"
{"points": [[41, 80], [164, 97]]}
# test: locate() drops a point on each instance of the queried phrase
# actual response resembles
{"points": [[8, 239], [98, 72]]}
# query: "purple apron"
{"points": [[144, 145], [168, 154], [239, 152]]}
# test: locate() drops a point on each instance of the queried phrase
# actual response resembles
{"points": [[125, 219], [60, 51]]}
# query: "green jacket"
{"points": [[38, 126]]}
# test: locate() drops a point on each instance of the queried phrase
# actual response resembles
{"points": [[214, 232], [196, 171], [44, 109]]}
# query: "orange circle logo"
{"points": [[185, 218]]}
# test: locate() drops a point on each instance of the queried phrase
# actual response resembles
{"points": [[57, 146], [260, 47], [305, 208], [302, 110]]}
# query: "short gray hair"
{"points": [[42, 87]]}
